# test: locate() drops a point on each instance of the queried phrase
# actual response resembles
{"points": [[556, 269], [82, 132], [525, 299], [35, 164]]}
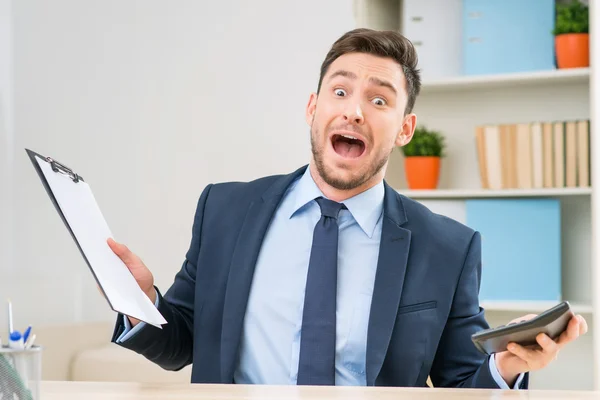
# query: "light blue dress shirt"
{"points": [[270, 343]]}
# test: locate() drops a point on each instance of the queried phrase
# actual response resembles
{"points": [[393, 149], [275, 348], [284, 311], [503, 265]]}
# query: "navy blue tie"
{"points": [[317, 344]]}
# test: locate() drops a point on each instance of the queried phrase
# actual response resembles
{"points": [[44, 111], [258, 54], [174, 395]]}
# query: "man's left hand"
{"points": [[519, 359]]}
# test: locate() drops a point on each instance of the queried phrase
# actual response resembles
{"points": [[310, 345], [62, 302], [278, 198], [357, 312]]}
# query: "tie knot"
{"points": [[329, 208]]}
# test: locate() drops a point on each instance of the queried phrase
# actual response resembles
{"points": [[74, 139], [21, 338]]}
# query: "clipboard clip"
{"points": [[63, 169]]}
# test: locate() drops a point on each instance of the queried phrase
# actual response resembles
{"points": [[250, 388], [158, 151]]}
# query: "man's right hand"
{"points": [[140, 272]]}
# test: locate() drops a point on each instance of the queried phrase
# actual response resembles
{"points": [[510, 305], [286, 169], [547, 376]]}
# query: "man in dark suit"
{"points": [[327, 275]]}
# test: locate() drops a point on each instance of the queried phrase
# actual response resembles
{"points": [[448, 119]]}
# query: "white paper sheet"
{"points": [[81, 211]]}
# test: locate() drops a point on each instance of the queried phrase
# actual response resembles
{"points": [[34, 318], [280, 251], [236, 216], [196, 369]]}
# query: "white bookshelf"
{"points": [[551, 77], [488, 193], [531, 306], [455, 106]]}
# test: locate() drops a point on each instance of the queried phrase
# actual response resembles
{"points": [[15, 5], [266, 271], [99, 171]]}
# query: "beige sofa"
{"points": [[83, 352]]}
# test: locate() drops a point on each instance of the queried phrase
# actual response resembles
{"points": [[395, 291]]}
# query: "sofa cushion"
{"points": [[113, 363]]}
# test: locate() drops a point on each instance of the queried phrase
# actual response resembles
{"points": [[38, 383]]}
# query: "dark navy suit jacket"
{"points": [[425, 300]]}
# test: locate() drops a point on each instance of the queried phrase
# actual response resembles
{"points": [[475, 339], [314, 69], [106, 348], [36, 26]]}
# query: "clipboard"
{"points": [[76, 206]]}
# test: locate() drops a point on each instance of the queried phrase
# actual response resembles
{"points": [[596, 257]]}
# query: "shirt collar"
{"points": [[366, 207]]}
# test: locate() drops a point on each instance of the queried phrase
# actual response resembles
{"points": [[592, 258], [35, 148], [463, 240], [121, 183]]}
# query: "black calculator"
{"points": [[552, 322]]}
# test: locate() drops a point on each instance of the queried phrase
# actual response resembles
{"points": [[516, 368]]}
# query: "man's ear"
{"points": [[408, 129], [311, 108]]}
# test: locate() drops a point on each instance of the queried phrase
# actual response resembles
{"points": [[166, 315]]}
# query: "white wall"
{"points": [[6, 134], [150, 101]]}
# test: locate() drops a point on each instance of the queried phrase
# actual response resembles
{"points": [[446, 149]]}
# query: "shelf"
{"points": [[532, 306], [550, 77], [488, 193]]}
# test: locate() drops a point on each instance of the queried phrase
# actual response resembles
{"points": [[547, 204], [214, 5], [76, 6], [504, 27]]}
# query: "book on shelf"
{"points": [[534, 155]]}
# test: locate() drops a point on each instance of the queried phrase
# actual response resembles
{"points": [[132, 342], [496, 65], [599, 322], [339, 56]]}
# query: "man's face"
{"points": [[358, 119]]}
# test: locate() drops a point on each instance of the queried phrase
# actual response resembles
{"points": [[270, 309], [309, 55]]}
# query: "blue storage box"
{"points": [[506, 36], [521, 248]]}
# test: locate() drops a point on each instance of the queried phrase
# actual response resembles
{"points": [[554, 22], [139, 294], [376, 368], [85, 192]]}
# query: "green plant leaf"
{"points": [[425, 142], [571, 17]]}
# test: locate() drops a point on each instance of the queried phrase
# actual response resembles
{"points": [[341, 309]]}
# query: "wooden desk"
{"points": [[135, 391]]}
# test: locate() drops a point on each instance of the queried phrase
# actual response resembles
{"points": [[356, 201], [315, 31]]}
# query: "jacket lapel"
{"points": [[389, 279], [259, 215]]}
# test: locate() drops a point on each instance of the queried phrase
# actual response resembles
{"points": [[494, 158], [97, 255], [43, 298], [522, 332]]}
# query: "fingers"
{"points": [[122, 252], [548, 345], [577, 326], [114, 246], [583, 327], [526, 354], [548, 350], [535, 357]]}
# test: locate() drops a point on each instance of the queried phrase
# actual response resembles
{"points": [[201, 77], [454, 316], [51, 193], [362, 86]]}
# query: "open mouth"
{"points": [[348, 146]]}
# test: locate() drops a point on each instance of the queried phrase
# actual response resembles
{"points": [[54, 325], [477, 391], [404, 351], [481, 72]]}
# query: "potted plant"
{"points": [[422, 158], [571, 35]]}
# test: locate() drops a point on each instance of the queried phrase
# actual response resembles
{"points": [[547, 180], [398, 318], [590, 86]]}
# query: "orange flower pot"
{"points": [[572, 50], [422, 172]]}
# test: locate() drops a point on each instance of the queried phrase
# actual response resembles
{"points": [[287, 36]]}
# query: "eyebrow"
{"points": [[373, 80], [344, 73], [383, 83]]}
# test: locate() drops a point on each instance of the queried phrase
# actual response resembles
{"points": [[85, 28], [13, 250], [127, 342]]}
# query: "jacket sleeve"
{"points": [[457, 362], [172, 346]]}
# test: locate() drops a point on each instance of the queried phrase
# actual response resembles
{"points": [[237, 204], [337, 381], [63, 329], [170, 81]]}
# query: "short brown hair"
{"points": [[379, 43]]}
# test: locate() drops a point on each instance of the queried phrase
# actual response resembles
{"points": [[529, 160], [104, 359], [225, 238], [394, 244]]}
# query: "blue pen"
{"points": [[26, 333]]}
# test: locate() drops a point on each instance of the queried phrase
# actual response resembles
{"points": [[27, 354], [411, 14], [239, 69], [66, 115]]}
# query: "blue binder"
{"points": [[521, 248], [506, 36]]}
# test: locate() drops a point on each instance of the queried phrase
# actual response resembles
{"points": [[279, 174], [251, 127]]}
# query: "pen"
{"points": [[10, 318], [29, 343], [26, 334]]}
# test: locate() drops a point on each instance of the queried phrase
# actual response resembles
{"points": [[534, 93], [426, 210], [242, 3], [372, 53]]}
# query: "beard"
{"points": [[360, 177]]}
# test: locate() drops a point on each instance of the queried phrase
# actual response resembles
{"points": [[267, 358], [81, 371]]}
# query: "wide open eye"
{"points": [[339, 92], [379, 101]]}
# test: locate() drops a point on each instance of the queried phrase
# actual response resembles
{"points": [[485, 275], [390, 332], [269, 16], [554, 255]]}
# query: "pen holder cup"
{"points": [[20, 373]]}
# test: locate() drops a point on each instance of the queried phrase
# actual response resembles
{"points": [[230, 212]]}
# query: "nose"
{"points": [[353, 114]]}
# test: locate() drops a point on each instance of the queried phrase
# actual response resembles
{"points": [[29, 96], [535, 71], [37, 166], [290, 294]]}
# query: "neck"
{"points": [[340, 195]]}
